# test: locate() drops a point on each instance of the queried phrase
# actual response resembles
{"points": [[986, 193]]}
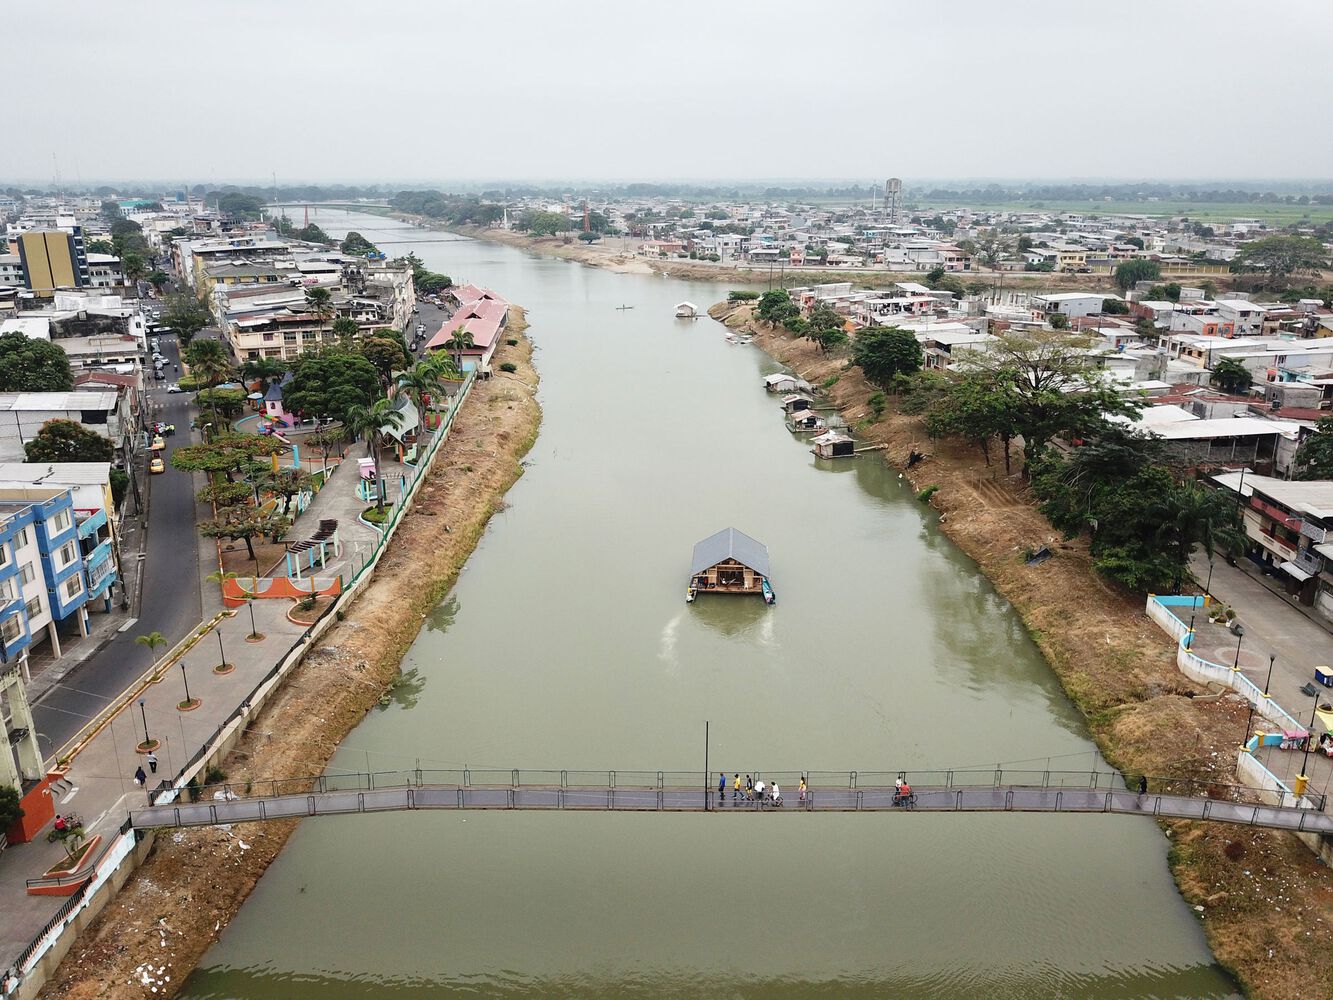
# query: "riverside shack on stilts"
{"points": [[730, 562]]}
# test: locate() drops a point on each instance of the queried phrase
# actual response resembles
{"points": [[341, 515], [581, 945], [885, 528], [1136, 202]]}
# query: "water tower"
{"points": [[893, 199]]}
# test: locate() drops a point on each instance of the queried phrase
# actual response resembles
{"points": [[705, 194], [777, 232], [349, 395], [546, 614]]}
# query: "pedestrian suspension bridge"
{"points": [[995, 791]]}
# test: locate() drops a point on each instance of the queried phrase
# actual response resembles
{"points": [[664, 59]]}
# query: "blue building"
{"points": [[43, 570]]}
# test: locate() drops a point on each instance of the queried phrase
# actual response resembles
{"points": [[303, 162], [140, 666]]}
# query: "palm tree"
{"points": [[372, 421], [264, 369], [152, 640], [345, 329], [1197, 516], [320, 302], [458, 343], [209, 363], [425, 379]]}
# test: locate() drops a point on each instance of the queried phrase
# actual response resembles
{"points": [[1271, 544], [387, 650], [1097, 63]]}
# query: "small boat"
{"points": [[624, 307], [769, 596], [690, 594]]}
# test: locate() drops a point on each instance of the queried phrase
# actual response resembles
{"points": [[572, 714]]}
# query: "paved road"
{"points": [[1014, 799], [170, 587]]}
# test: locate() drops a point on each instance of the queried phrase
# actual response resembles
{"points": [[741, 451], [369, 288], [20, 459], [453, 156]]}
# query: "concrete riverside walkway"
{"points": [[102, 772], [590, 798]]}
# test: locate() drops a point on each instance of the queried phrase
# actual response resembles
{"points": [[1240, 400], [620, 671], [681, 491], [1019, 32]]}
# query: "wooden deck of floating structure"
{"points": [[729, 562]]}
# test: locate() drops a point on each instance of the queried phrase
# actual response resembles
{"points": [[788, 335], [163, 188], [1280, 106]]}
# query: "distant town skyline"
{"points": [[324, 91]]}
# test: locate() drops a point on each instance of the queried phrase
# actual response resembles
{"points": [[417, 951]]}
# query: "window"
{"points": [[26, 573], [6, 591], [67, 554], [12, 627], [74, 586], [4, 555], [60, 522], [33, 607]]}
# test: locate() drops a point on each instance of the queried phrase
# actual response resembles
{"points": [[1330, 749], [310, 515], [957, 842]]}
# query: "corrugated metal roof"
{"points": [[730, 544], [101, 399]]}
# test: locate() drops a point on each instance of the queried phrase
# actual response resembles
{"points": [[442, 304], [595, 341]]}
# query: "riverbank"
{"points": [[175, 905], [614, 255], [1265, 901]]}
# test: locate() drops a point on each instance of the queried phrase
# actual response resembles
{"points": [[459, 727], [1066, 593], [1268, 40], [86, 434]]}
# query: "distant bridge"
{"points": [[1056, 792]]}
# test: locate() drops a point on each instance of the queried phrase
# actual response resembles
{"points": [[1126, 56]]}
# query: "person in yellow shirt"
{"points": [[736, 788]]}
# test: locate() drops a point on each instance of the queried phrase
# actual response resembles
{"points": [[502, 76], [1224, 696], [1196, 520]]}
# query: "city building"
{"points": [[53, 259], [22, 414]]}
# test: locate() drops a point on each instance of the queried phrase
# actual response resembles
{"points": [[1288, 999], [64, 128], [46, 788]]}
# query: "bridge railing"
{"points": [[518, 778]]}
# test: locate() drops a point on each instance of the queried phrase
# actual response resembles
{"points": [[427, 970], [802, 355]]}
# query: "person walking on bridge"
{"points": [[722, 788], [749, 787], [736, 788]]}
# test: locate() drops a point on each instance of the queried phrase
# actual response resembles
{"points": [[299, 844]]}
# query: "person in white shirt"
{"points": [[759, 789], [777, 795]]}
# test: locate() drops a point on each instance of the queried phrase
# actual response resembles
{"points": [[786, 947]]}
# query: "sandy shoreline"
{"points": [[194, 881], [1267, 914]]}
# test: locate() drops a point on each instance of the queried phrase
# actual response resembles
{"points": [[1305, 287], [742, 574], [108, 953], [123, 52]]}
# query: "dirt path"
{"points": [[177, 903], [1266, 902]]}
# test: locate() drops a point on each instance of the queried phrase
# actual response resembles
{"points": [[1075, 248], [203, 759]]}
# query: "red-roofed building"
{"points": [[482, 316]]}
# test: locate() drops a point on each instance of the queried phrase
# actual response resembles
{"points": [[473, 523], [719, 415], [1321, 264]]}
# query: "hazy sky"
{"points": [[676, 89]]}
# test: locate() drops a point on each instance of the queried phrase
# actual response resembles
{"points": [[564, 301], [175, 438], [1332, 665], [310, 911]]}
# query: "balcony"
{"points": [[1276, 514], [91, 523], [98, 563]]}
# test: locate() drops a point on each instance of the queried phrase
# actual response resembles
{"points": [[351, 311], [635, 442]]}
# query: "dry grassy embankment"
{"points": [[175, 905], [1267, 904]]}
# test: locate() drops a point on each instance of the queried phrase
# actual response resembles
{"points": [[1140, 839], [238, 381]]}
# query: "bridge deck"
{"points": [[678, 799]]}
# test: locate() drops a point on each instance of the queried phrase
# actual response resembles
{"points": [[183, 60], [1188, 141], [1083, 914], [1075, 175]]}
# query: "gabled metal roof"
{"points": [[730, 544]]}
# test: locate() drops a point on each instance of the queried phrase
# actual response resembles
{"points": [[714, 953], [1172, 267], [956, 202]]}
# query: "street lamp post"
{"points": [[144, 713], [1206, 586], [221, 650], [1303, 779], [250, 604], [186, 679], [1240, 636]]}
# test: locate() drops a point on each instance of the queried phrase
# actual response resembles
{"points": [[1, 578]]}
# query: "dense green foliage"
{"points": [[1280, 257], [742, 295], [330, 383], [68, 441], [187, 314], [28, 365], [10, 810], [241, 206], [1231, 376], [355, 243], [1314, 458], [1131, 272], [883, 352]]}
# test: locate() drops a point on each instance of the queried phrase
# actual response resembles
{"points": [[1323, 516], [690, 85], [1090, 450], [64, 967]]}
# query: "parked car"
{"points": [[157, 465], [160, 375]]}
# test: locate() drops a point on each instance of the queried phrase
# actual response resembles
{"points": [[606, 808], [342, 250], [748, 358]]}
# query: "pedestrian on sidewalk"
{"points": [[1143, 786], [152, 762], [139, 776], [801, 797], [722, 788]]}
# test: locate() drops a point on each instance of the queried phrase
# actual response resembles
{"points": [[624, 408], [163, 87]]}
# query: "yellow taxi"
{"points": [[159, 442], [157, 465]]}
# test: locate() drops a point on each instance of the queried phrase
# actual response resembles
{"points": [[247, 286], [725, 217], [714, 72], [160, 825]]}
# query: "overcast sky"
{"points": [[675, 89]]}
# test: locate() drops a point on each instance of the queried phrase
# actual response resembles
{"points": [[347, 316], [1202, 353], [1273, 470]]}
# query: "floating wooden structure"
{"points": [[833, 444], [786, 384], [796, 402], [687, 310], [805, 420], [730, 562]]}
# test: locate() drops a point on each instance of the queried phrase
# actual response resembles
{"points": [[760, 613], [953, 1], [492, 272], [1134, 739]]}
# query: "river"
{"points": [[567, 644]]}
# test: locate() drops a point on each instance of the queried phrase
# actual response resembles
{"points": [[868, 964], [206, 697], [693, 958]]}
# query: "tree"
{"points": [[209, 365], [10, 810], [1056, 388], [312, 234], [225, 493], [776, 307], [992, 246], [225, 403], [1024, 244], [241, 206], [245, 524], [1058, 321], [152, 640], [1314, 458], [355, 243], [132, 265], [346, 330], [935, 274], [1280, 257], [227, 454], [159, 279], [590, 237], [1131, 272], [286, 482], [885, 351], [187, 314], [1231, 376], [28, 365], [68, 441], [329, 383], [1134, 241], [387, 353], [425, 380], [1115, 307], [979, 409], [263, 369], [100, 246], [320, 302], [371, 422], [458, 342]]}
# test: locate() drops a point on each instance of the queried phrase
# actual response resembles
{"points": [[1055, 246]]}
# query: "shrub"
{"points": [[509, 366], [305, 604], [925, 495], [512, 342], [878, 401], [740, 295], [830, 382], [10, 810], [214, 775], [714, 258]]}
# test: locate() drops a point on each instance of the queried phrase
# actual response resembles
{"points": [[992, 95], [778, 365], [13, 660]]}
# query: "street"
{"points": [[168, 587]]}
